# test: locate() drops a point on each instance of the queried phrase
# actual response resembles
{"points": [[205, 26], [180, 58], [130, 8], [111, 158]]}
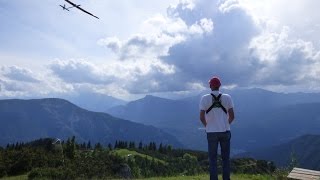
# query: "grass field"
{"points": [[22, 177], [206, 177], [199, 177]]}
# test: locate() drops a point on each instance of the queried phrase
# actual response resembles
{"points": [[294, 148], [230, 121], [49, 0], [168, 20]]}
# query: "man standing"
{"points": [[216, 114]]}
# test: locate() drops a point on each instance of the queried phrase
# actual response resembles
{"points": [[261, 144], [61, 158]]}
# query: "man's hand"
{"points": [[203, 118], [231, 115]]}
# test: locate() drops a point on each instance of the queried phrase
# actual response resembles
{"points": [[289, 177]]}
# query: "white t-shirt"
{"points": [[217, 119]]}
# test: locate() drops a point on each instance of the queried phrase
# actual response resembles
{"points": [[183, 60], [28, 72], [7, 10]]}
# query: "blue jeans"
{"points": [[214, 138]]}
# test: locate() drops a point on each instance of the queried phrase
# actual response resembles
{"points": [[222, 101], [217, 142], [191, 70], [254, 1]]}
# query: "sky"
{"points": [[161, 47]]}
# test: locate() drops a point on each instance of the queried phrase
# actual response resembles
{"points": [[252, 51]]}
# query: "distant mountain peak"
{"points": [[25, 120], [150, 96]]}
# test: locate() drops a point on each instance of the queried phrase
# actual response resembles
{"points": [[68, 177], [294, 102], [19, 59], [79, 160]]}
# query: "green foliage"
{"points": [[70, 147], [252, 166], [51, 173], [42, 159], [281, 174], [191, 164]]}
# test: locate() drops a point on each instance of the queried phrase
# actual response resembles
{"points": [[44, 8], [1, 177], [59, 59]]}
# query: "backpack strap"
{"points": [[216, 102]]}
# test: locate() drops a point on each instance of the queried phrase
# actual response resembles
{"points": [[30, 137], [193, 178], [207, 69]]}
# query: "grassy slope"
{"points": [[125, 152]]}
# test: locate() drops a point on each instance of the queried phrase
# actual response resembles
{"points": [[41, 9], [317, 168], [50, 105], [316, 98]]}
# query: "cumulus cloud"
{"points": [[223, 52], [18, 74], [241, 48], [159, 34], [7, 85], [196, 39], [17, 81], [284, 60], [179, 51], [81, 72], [127, 76], [112, 43]]}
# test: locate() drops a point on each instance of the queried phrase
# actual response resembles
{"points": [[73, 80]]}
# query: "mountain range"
{"points": [[177, 117], [26, 120], [91, 101], [94, 101], [263, 118], [303, 152]]}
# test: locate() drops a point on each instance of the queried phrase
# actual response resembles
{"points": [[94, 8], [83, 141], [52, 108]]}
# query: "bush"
{"points": [[281, 174], [50, 173], [2, 172]]}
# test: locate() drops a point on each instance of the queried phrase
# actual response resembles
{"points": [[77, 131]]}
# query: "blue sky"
{"points": [[160, 47]]}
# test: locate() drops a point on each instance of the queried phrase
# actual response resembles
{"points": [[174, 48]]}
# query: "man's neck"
{"points": [[214, 89]]}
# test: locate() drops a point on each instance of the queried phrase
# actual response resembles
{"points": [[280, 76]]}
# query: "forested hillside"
{"points": [[54, 159]]}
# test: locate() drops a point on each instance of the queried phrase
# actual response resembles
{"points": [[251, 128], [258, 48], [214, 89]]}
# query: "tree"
{"points": [[132, 145], [160, 148], [98, 146], [109, 146], [154, 146], [89, 145], [140, 145], [70, 148]]}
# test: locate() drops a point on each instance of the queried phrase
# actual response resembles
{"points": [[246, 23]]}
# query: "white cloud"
{"points": [[301, 16], [224, 51], [111, 42], [144, 52], [18, 82], [244, 49], [229, 5], [81, 72], [284, 60], [18, 74], [133, 76], [247, 43]]}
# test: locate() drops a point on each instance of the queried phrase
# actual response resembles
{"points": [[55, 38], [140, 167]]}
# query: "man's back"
{"points": [[217, 119]]}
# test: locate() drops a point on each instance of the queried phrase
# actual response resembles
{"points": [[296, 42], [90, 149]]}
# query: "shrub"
{"points": [[50, 173]]}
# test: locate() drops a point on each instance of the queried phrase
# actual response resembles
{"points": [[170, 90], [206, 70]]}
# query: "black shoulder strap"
{"points": [[216, 101]]}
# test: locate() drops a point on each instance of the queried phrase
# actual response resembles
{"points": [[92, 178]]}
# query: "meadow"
{"points": [[197, 177]]}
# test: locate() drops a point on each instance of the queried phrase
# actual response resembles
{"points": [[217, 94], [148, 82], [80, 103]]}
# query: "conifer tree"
{"points": [[110, 146], [160, 148], [89, 145], [98, 146], [140, 145]]}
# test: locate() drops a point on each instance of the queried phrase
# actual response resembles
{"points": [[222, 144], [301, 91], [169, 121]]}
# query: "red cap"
{"points": [[215, 82]]}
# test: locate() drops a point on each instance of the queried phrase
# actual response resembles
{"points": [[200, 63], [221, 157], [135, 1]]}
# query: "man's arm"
{"points": [[231, 115], [203, 117]]}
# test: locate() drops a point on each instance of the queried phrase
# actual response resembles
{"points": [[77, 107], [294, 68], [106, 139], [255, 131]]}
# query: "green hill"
{"points": [[45, 159]]}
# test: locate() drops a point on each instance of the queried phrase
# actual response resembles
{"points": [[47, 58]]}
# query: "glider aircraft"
{"points": [[76, 6]]}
